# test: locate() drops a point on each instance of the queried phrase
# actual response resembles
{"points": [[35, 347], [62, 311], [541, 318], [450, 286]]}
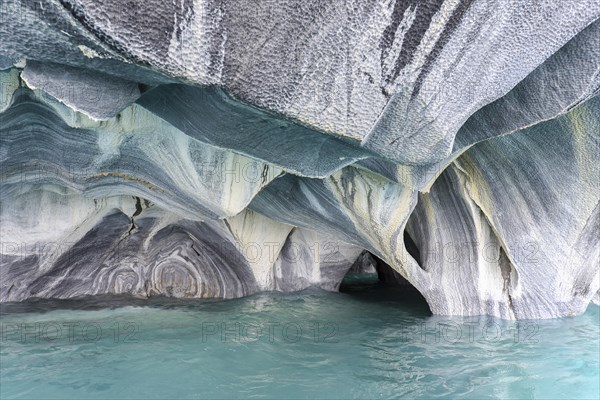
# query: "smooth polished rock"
{"points": [[454, 140], [211, 116], [134, 153], [126, 245], [139, 255], [97, 95], [354, 205], [539, 190], [310, 259], [9, 82]]}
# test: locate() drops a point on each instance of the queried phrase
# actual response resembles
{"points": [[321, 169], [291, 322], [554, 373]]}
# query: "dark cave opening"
{"points": [[372, 279]]}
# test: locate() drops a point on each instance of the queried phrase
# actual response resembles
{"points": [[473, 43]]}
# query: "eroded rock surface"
{"points": [[220, 148]]}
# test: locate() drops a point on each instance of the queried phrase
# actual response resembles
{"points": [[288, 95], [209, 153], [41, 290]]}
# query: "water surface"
{"points": [[370, 341]]}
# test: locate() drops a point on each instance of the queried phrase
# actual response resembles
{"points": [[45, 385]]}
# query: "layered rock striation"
{"points": [[216, 149]]}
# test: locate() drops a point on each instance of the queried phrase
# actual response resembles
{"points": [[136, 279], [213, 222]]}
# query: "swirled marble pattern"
{"points": [[213, 149], [128, 245], [133, 153], [144, 255]]}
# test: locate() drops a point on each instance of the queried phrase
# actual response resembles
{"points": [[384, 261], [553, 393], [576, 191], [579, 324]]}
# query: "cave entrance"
{"points": [[369, 270], [372, 279]]}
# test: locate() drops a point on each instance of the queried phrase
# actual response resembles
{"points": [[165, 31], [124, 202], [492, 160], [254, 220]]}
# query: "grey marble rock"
{"points": [[219, 148], [539, 190], [139, 254], [9, 83], [463, 265], [126, 245], [421, 67], [389, 276], [596, 299], [134, 153], [5, 63], [211, 116], [97, 95], [364, 264], [309, 259], [567, 78]]}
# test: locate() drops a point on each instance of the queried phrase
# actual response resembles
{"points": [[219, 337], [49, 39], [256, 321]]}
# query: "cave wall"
{"points": [[216, 149]]}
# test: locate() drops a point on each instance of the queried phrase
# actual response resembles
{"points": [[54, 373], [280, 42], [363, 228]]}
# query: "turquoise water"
{"points": [[371, 341]]}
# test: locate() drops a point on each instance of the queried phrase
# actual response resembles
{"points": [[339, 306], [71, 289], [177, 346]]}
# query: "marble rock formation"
{"points": [[213, 149]]}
